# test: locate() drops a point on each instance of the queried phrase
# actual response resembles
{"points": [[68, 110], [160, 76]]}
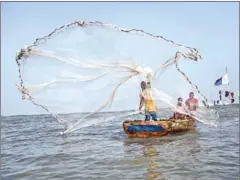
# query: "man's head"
{"points": [[148, 85], [179, 100], [191, 94], [143, 85]]}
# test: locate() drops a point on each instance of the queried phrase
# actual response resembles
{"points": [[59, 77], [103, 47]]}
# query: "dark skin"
{"points": [[191, 98]]}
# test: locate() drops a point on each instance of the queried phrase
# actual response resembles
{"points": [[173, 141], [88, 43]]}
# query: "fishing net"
{"points": [[87, 68]]}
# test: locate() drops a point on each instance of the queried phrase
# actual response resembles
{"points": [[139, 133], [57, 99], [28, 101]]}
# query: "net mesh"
{"points": [[90, 67]]}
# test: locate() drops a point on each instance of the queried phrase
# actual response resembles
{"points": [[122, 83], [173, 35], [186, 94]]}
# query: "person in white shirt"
{"points": [[180, 110]]}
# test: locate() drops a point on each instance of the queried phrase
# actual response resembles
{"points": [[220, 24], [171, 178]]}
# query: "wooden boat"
{"points": [[144, 129]]}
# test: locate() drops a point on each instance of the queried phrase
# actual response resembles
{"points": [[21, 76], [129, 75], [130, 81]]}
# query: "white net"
{"points": [[92, 67]]}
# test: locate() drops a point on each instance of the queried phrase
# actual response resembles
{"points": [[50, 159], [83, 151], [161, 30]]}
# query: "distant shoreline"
{"points": [[101, 112]]}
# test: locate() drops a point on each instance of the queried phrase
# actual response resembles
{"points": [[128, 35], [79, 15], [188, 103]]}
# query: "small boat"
{"points": [[229, 97], [162, 127]]}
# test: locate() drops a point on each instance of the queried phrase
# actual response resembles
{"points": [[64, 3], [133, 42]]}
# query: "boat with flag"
{"points": [[226, 97]]}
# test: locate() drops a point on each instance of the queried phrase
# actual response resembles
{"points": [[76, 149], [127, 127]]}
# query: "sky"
{"points": [[211, 27]]}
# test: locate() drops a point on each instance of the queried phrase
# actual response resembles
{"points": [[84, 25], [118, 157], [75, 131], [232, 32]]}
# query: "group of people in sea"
{"points": [[228, 94], [147, 100]]}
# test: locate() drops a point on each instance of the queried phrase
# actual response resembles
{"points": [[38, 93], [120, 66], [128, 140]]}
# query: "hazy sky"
{"points": [[213, 28]]}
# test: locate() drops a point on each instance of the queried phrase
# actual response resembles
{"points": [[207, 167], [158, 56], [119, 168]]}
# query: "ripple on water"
{"points": [[33, 149]]}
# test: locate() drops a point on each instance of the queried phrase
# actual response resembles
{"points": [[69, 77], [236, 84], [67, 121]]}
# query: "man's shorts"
{"points": [[149, 115]]}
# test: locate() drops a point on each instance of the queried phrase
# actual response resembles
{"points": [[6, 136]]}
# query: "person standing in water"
{"points": [[146, 99], [191, 102]]}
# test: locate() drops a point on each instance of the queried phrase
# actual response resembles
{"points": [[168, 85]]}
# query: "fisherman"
{"points": [[226, 93], [232, 97], [180, 108], [146, 98], [220, 95], [191, 102]]}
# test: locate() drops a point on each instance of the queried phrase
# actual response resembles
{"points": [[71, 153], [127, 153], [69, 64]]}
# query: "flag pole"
{"points": [[228, 81]]}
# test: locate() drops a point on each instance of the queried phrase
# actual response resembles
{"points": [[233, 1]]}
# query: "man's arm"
{"points": [[187, 105], [141, 104], [196, 104], [141, 101]]}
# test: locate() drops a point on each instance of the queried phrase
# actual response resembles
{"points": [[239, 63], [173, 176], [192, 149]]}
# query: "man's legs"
{"points": [[154, 116], [147, 116]]}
